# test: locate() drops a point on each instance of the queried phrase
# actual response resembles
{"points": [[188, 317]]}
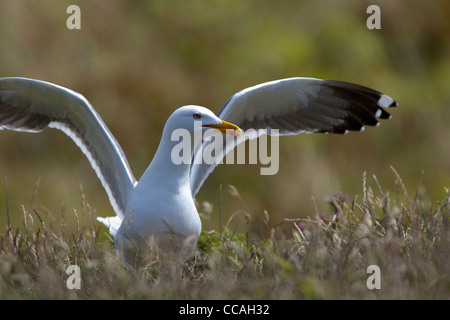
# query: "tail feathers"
{"points": [[113, 223]]}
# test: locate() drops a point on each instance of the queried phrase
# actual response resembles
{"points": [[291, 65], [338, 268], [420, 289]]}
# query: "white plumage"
{"points": [[161, 203]]}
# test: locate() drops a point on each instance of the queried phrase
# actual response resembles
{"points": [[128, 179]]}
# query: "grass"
{"points": [[323, 257]]}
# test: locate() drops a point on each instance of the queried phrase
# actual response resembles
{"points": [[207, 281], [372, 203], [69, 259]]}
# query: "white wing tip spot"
{"points": [[386, 101]]}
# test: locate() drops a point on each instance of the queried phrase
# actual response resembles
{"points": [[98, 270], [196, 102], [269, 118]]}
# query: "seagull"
{"points": [[161, 204]]}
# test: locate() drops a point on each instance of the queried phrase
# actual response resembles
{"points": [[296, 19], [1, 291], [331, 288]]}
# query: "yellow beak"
{"points": [[226, 127]]}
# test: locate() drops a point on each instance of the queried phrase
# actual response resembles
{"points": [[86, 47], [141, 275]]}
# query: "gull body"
{"points": [[161, 204]]}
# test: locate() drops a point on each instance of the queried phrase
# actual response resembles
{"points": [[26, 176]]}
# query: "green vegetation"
{"points": [[324, 257], [136, 61]]}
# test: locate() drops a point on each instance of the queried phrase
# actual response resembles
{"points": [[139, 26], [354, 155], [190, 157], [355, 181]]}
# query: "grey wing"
{"points": [[295, 106], [32, 105]]}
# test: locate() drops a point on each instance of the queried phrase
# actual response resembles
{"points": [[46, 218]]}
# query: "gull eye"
{"points": [[197, 115]]}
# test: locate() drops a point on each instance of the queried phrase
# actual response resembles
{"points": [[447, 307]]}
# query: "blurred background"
{"points": [[137, 61]]}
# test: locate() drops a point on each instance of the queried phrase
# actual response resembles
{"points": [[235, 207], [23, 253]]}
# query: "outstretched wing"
{"points": [[31, 106], [294, 106]]}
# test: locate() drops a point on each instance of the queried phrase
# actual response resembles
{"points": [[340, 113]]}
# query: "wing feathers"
{"points": [[292, 106], [300, 105], [13, 118], [32, 105]]}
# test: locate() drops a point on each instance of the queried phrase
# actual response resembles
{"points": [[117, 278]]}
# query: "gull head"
{"points": [[196, 118]]}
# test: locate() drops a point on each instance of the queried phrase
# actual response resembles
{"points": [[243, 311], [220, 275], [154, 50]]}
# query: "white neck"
{"points": [[173, 175]]}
